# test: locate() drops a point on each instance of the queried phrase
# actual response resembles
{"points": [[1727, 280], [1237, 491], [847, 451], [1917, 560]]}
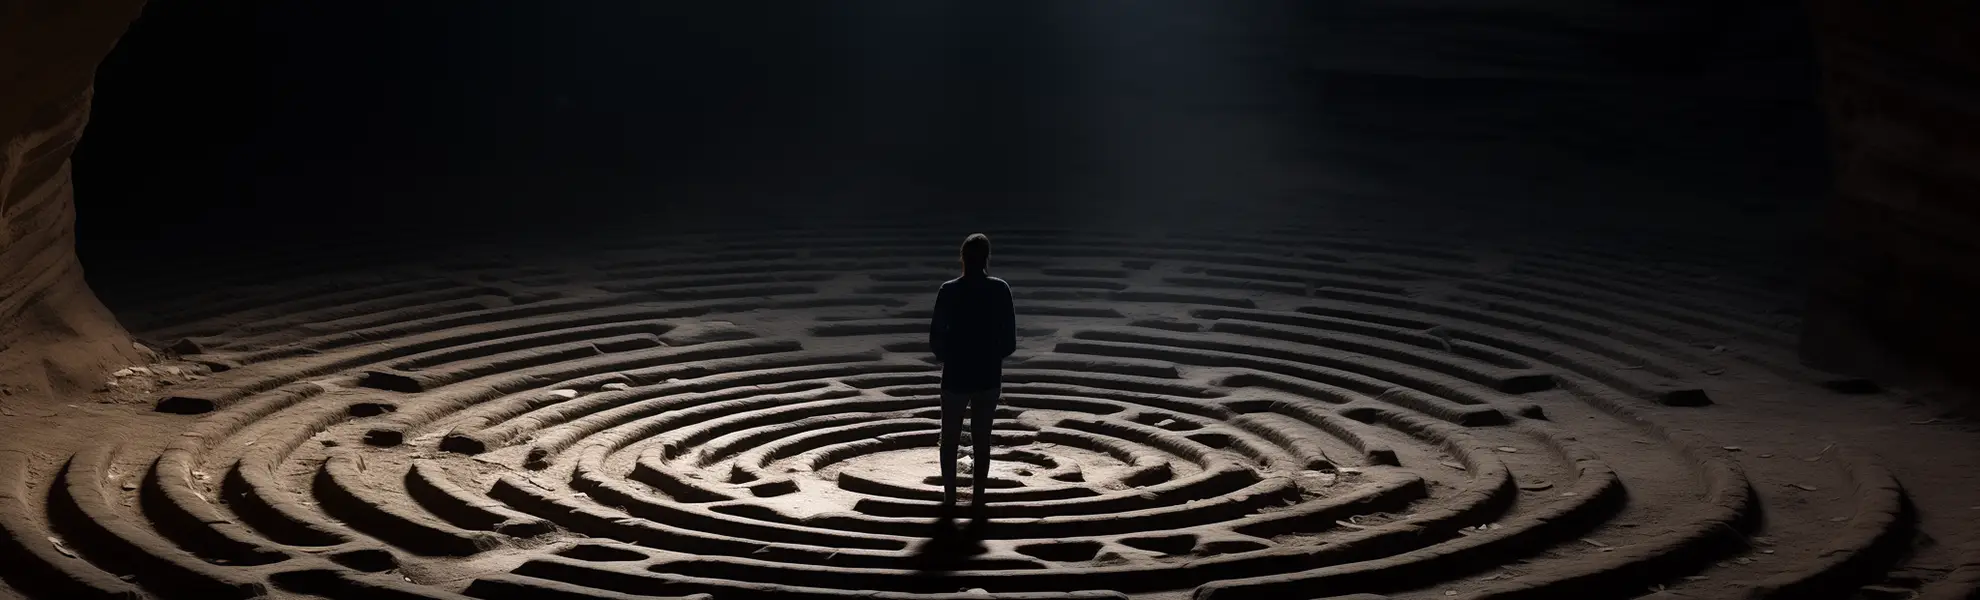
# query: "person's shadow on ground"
{"points": [[949, 545]]}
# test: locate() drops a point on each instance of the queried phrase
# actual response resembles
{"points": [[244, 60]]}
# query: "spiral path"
{"points": [[1275, 415]]}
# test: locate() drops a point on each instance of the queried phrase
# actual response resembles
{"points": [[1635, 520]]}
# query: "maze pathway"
{"points": [[724, 415]]}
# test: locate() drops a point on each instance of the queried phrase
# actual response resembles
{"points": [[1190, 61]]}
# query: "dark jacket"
{"points": [[974, 328]]}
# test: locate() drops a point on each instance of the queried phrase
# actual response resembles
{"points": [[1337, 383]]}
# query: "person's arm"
{"points": [[1009, 336], [938, 327]]}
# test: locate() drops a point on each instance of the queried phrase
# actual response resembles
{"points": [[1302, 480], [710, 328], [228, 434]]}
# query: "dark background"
{"points": [[231, 131]]}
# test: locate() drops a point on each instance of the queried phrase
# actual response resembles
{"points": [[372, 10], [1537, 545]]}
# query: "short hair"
{"points": [[976, 250]]}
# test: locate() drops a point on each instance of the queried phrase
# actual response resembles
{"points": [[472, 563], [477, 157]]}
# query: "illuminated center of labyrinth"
{"points": [[758, 417]]}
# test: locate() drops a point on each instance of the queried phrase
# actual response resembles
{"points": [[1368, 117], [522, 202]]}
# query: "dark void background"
{"points": [[229, 131]]}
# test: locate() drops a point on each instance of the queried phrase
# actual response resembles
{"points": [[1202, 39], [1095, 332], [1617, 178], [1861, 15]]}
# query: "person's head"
{"points": [[976, 252]]}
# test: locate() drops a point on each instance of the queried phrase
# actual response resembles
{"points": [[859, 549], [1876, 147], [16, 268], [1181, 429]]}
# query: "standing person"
{"points": [[974, 329]]}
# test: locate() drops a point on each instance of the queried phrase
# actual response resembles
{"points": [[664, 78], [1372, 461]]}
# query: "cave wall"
{"points": [[55, 337], [1896, 291]]}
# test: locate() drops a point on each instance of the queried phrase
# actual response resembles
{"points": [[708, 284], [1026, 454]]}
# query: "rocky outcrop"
{"points": [[55, 336], [1895, 295]]}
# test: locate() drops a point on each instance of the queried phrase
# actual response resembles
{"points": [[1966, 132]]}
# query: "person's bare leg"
{"points": [[952, 418], [983, 414]]}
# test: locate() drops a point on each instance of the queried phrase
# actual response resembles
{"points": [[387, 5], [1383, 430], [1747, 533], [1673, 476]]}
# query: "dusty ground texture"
{"points": [[1255, 414]]}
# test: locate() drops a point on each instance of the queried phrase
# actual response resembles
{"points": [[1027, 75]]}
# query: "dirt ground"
{"points": [[1189, 415]]}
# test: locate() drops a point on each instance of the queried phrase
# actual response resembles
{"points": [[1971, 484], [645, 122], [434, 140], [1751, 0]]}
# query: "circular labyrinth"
{"points": [[757, 417]]}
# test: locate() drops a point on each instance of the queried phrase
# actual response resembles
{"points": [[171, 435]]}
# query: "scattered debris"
{"points": [[1535, 486], [1731, 448], [616, 387], [61, 547], [1594, 543], [1508, 449], [1451, 464], [186, 347], [566, 394], [1715, 371], [1804, 487]]}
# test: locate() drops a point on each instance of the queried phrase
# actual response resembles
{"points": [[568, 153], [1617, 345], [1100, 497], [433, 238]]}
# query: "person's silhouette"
{"points": [[974, 329]]}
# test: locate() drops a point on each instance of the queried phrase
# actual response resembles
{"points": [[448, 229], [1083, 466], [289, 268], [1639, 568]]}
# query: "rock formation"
{"points": [[1895, 296], [54, 334]]}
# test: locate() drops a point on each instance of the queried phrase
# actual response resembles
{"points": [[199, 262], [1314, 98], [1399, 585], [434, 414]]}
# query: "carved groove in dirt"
{"points": [[756, 417]]}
